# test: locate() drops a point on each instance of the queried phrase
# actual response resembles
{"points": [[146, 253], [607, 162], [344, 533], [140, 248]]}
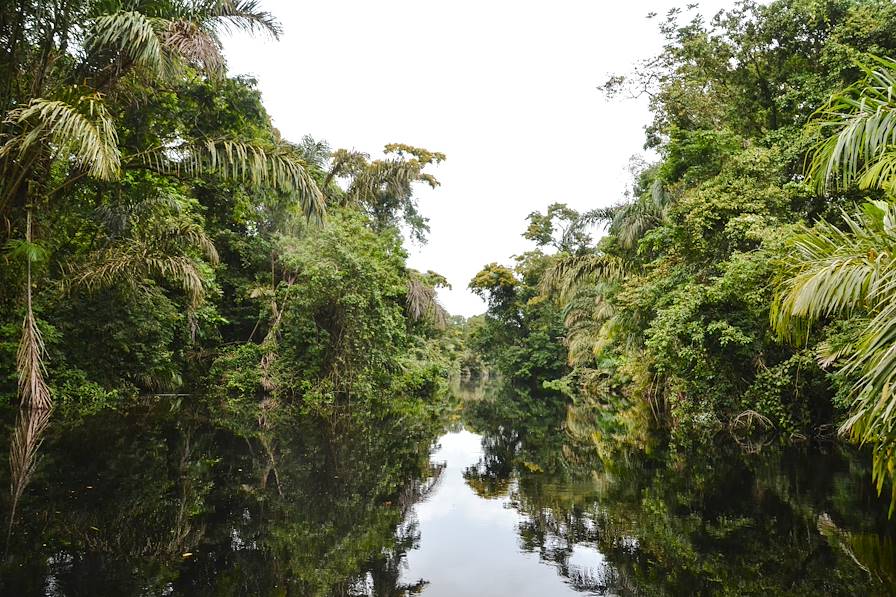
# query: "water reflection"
{"points": [[521, 496], [706, 519], [157, 501], [25, 441]]}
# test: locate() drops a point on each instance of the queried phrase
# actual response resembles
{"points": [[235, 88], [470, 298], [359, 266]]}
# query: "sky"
{"points": [[506, 88]]}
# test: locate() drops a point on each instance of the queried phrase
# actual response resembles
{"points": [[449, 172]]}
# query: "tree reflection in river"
{"points": [[695, 520], [175, 500], [156, 501], [25, 440]]}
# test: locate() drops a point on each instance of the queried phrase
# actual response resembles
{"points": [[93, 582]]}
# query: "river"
{"points": [[477, 500]]}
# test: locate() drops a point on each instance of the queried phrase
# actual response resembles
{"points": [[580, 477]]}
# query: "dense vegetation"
{"points": [[745, 283], [246, 380], [707, 519], [160, 235]]}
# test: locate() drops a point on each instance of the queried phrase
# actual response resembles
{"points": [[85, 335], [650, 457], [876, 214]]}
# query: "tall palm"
{"points": [[850, 269], [583, 285], [65, 123], [384, 188]]}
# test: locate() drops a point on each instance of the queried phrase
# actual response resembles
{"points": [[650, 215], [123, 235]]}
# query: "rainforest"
{"points": [[221, 375]]}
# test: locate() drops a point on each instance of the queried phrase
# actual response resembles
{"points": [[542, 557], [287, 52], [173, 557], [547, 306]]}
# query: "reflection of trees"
{"points": [[874, 554], [385, 571], [24, 445], [490, 477], [698, 520], [156, 501]]}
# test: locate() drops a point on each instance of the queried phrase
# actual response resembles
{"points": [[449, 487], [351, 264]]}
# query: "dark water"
{"points": [[480, 501]]}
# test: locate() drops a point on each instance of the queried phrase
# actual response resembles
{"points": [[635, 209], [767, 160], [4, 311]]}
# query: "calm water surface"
{"points": [[470, 544], [495, 498]]}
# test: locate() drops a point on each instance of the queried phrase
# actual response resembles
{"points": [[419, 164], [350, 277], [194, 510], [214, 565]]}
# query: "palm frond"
{"points": [[843, 272], [833, 271], [858, 126], [588, 317], [241, 15], [423, 304], [161, 45], [33, 389], [24, 446], [190, 42], [278, 167], [569, 272], [632, 220], [393, 177], [129, 263], [84, 128], [134, 35], [156, 252]]}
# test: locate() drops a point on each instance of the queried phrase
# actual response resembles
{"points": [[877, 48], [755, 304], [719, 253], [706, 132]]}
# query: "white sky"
{"points": [[505, 88]]}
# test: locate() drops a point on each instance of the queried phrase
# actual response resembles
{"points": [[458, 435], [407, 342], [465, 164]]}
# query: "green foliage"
{"points": [[161, 234], [560, 227], [343, 325], [521, 333], [671, 307]]}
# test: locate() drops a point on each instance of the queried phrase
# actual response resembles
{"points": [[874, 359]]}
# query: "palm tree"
{"points": [[858, 130], [849, 270], [421, 301], [630, 221], [63, 121], [384, 188]]}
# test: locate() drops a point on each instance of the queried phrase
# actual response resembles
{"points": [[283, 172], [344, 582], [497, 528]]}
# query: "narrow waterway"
{"points": [[470, 544], [495, 497]]}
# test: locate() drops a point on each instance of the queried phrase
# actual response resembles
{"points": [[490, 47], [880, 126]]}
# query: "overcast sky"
{"points": [[506, 88]]}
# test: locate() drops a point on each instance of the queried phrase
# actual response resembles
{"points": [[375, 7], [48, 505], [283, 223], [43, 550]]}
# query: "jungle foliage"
{"points": [[160, 234], [744, 282]]}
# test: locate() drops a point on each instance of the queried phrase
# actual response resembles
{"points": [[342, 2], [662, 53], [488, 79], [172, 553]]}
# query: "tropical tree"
{"points": [[848, 270], [62, 130], [384, 188], [858, 130]]}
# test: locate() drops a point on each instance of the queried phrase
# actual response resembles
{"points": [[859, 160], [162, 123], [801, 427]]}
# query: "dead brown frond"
{"points": [[24, 446], [195, 45], [33, 388], [422, 304]]}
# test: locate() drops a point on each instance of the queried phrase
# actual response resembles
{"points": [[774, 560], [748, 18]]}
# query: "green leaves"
{"points": [[840, 273], [163, 250], [132, 34], [860, 127], [28, 252], [384, 188], [84, 128], [189, 35], [278, 167]]}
